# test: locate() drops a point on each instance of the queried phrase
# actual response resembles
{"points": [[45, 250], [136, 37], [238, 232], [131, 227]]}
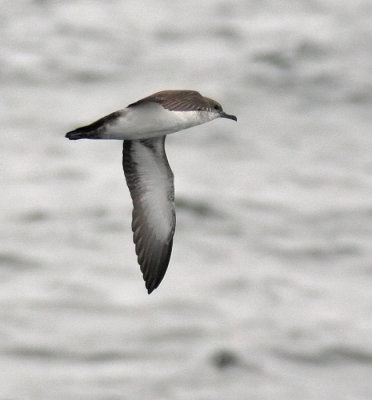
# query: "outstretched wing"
{"points": [[150, 182]]}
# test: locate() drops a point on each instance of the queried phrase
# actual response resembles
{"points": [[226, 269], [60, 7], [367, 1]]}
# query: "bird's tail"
{"points": [[95, 130], [82, 133]]}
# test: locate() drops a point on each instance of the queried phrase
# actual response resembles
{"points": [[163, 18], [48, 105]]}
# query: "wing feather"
{"points": [[178, 100]]}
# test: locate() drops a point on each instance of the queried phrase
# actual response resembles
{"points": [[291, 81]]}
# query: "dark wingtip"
{"points": [[153, 283], [151, 286], [153, 275]]}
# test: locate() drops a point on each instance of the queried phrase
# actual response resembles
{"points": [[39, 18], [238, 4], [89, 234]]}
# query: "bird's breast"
{"points": [[152, 120]]}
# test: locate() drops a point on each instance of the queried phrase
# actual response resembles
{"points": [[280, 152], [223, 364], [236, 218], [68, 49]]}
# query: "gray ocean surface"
{"points": [[268, 294]]}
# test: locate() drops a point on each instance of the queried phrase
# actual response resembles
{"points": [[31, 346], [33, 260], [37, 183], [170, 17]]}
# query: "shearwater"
{"points": [[143, 126]]}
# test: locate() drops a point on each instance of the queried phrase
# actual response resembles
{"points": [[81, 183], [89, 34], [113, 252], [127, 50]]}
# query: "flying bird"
{"points": [[143, 126]]}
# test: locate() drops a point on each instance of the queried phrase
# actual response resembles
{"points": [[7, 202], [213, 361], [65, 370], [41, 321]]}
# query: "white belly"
{"points": [[152, 120]]}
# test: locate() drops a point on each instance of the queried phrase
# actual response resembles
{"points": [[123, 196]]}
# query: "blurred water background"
{"points": [[269, 290]]}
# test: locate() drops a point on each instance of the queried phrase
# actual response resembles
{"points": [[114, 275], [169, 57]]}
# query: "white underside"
{"points": [[155, 184], [152, 120]]}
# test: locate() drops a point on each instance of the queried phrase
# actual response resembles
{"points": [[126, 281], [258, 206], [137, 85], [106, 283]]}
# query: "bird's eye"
{"points": [[216, 107]]}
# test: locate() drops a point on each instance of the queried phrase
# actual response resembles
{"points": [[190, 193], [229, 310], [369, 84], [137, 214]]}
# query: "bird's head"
{"points": [[216, 107]]}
